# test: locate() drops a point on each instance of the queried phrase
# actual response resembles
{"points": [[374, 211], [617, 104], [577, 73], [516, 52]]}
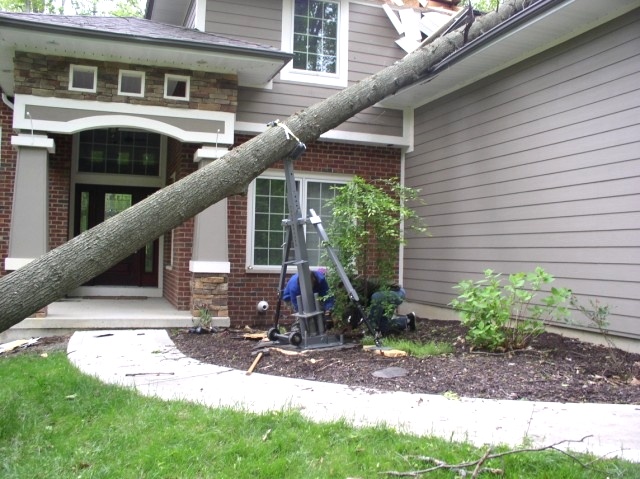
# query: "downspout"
{"points": [[6, 101], [403, 159]]}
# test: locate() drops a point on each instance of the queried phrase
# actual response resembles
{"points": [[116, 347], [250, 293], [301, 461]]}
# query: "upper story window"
{"points": [[83, 78], [315, 36], [176, 87], [316, 32], [131, 83], [268, 207]]}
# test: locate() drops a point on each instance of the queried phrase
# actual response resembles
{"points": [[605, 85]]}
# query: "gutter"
{"points": [[157, 42], [499, 30]]}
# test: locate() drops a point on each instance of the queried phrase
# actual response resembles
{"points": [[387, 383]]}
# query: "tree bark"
{"points": [[63, 269]]}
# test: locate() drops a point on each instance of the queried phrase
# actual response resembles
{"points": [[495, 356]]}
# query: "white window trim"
{"points": [[131, 73], [84, 68], [340, 78], [251, 205], [171, 76]]}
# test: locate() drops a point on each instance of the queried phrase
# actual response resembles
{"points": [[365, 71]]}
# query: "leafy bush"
{"points": [[366, 230], [503, 316]]}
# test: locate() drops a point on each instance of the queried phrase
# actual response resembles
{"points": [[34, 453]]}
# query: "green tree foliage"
{"points": [[366, 231], [118, 8], [129, 8], [35, 6], [486, 5]]}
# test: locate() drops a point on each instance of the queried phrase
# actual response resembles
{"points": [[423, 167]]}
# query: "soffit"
{"points": [[483, 57]]}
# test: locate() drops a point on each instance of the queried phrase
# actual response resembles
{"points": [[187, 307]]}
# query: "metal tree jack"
{"points": [[312, 321]]}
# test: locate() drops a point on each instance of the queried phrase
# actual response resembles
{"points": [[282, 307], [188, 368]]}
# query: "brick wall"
{"points": [[41, 75], [7, 177], [246, 289], [59, 190], [177, 278]]}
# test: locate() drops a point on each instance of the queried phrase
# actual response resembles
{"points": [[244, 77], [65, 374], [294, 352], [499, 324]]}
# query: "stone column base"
{"points": [[210, 291]]}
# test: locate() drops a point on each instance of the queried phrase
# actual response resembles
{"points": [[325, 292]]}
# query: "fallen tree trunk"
{"points": [[63, 269]]}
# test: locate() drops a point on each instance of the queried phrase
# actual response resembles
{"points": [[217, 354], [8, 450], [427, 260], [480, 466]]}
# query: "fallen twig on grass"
{"points": [[463, 468]]}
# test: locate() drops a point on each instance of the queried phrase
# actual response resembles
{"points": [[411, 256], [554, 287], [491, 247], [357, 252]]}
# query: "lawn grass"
{"points": [[58, 423]]}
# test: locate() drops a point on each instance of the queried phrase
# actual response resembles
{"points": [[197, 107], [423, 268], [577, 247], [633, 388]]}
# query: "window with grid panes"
{"points": [[315, 36], [270, 208], [316, 32], [118, 151]]}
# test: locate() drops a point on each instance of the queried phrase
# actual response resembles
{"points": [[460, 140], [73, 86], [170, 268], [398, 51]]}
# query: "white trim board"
{"points": [[122, 115]]}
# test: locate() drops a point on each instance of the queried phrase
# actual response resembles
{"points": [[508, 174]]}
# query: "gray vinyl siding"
{"points": [[258, 21], [367, 57], [261, 22], [537, 166]]}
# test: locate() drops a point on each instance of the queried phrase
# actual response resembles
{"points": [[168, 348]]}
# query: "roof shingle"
{"points": [[135, 29]]}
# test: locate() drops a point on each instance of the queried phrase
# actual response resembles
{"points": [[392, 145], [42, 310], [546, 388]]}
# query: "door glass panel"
{"points": [[148, 258], [84, 211], [115, 203]]}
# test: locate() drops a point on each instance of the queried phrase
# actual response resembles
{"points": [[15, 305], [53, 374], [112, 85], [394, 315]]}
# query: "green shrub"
{"points": [[502, 316], [366, 229]]}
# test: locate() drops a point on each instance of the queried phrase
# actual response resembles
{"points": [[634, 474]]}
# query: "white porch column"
{"points": [[210, 242], [29, 233]]}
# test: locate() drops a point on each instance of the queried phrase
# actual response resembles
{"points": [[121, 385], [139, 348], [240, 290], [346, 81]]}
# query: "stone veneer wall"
{"points": [[246, 289], [210, 292], [42, 75]]}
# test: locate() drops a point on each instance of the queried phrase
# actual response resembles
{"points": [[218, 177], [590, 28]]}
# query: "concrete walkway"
{"points": [[148, 361]]}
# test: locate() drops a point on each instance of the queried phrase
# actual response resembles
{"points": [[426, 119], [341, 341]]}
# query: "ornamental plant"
{"points": [[366, 231], [503, 316]]}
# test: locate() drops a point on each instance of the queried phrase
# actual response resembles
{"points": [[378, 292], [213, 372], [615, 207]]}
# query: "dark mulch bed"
{"points": [[554, 368]]}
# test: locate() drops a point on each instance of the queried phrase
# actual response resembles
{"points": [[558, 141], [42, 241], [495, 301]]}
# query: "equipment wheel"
{"points": [[295, 339], [272, 334]]}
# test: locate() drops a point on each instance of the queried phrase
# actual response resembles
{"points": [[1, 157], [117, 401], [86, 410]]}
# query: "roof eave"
{"points": [[254, 67], [111, 36]]}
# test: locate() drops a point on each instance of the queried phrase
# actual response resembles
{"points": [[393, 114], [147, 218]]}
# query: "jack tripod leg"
{"points": [[274, 334], [353, 295]]}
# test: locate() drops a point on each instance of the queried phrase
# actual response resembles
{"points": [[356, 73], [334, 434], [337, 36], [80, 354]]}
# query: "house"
{"points": [[522, 143]]}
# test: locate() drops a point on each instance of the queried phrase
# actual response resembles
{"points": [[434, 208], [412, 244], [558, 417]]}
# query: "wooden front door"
{"points": [[96, 203]]}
